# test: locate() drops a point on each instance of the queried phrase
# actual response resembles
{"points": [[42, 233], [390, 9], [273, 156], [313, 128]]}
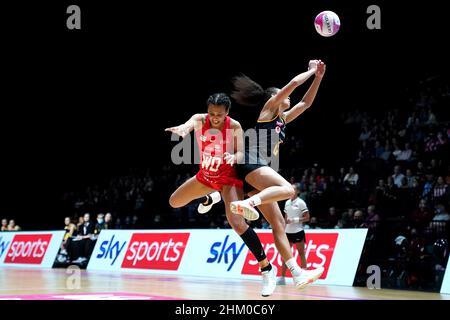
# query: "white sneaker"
{"points": [[281, 281], [308, 277], [244, 209], [215, 196], [269, 281]]}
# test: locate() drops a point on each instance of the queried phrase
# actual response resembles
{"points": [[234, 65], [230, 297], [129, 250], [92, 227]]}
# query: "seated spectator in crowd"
{"points": [[71, 230], [431, 121], [422, 214], [420, 172], [372, 218], [12, 226], [397, 176], [347, 218], [108, 221], [358, 219], [441, 213], [332, 218], [339, 225], [439, 223], [428, 187], [80, 221], [312, 224], [379, 149], [100, 225], [351, 178], [85, 241], [433, 168], [4, 225], [412, 180], [365, 134], [405, 153], [440, 190], [387, 153]]}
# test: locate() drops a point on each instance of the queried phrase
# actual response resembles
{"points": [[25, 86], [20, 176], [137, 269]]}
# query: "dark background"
{"points": [[80, 106]]}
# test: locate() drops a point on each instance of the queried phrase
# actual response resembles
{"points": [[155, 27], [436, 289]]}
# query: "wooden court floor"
{"points": [[17, 283]]}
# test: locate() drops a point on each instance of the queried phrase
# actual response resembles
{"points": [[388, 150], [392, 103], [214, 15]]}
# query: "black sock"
{"points": [[267, 268], [254, 244], [207, 200]]}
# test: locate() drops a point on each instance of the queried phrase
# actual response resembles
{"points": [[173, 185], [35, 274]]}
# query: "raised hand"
{"points": [[321, 68], [313, 64]]}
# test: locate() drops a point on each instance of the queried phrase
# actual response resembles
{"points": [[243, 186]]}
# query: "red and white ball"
{"points": [[327, 23]]}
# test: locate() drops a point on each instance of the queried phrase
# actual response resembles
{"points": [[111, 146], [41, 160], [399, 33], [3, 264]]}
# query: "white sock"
{"points": [[254, 200], [294, 267], [215, 196]]}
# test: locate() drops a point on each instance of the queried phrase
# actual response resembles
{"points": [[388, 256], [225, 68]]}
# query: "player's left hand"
{"points": [[321, 68]]}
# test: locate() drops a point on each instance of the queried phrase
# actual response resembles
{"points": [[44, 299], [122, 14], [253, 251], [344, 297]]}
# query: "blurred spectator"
{"points": [[70, 229], [4, 225], [80, 221], [347, 219], [100, 225], [84, 242], [431, 121], [332, 218], [440, 191], [421, 216], [365, 134], [379, 149], [351, 178], [372, 219], [441, 213], [66, 246], [428, 187], [265, 224], [412, 181], [312, 224], [108, 221], [397, 176], [339, 225], [404, 154], [12, 226], [387, 153], [358, 219], [440, 221]]}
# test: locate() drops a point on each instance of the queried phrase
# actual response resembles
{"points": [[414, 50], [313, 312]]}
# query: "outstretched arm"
{"points": [[308, 98], [286, 91], [184, 129]]}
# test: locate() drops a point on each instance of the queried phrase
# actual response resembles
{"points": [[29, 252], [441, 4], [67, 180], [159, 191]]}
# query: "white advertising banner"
{"points": [[36, 249], [222, 253]]}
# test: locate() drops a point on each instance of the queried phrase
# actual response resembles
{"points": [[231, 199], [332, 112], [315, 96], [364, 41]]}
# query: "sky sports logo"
{"points": [[319, 251], [28, 249], [160, 251], [4, 244], [225, 252]]}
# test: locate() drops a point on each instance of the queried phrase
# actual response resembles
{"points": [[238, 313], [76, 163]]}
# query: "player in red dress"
{"points": [[220, 141]]}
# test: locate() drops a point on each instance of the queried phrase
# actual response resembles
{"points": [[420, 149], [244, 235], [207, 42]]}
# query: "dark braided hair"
{"points": [[248, 93], [219, 99]]}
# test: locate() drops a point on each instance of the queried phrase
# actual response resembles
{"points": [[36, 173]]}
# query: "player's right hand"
{"points": [[179, 130], [313, 64]]}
